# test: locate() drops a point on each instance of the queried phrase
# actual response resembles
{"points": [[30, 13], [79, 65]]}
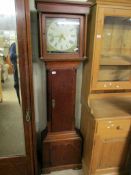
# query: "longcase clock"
{"points": [[63, 27]]}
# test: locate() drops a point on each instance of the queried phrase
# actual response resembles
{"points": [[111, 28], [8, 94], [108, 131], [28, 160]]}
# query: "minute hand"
{"points": [[57, 36]]}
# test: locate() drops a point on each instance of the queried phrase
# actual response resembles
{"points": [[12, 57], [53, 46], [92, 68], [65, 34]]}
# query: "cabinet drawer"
{"points": [[113, 128]]}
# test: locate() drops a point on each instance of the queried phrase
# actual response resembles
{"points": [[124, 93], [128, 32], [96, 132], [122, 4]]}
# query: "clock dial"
{"points": [[62, 35]]}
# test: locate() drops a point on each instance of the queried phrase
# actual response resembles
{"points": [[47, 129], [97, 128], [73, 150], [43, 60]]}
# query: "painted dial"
{"points": [[62, 35]]}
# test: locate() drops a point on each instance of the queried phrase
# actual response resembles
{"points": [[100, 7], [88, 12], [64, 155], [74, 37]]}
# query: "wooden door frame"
{"points": [[23, 16], [21, 165]]}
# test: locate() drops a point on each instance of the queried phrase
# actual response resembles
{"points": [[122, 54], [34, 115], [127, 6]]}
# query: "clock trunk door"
{"points": [[62, 88]]}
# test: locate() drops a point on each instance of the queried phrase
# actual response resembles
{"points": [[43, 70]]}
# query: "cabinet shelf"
{"points": [[115, 60]]}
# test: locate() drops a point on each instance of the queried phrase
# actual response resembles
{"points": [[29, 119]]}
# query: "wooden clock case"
{"points": [[62, 143], [106, 99]]}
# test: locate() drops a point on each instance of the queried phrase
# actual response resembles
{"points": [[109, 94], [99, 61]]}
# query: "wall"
{"points": [[39, 76]]}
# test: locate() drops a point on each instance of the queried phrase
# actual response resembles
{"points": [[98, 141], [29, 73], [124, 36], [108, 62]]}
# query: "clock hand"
{"points": [[51, 35], [56, 36], [62, 37]]}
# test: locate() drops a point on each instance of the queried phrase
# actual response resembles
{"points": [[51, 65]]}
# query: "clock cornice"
{"points": [[62, 6]]}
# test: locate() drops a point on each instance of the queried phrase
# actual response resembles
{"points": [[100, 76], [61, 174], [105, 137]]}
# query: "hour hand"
{"points": [[62, 37]]}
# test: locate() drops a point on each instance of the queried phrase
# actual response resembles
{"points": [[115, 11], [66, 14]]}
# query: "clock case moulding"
{"points": [[111, 1], [61, 141]]}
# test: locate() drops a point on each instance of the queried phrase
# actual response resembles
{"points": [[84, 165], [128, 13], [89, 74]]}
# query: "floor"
{"points": [[67, 172], [11, 123]]}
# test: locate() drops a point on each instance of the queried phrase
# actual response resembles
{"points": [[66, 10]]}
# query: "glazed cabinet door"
{"points": [[112, 67]]}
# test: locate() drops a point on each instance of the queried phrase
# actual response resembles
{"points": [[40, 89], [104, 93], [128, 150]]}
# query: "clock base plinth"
{"points": [[61, 150], [58, 168]]}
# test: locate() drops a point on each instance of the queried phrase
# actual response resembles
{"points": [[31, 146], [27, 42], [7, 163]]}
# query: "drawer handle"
{"points": [[118, 127]]}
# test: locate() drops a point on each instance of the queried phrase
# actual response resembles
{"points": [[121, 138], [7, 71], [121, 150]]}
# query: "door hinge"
{"points": [[53, 103], [91, 79], [28, 116]]}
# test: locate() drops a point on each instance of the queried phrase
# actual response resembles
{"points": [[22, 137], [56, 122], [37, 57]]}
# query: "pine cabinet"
{"points": [[106, 87]]}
